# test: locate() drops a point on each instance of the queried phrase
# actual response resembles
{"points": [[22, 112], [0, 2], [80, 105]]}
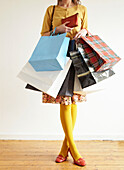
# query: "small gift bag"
{"points": [[100, 55]]}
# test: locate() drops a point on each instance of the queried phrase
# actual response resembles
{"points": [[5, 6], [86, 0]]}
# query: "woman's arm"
{"points": [[46, 21], [60, 29], [85, 19]]}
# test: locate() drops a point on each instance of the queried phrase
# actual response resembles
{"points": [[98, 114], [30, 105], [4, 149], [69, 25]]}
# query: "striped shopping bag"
{"points": [[100, 55], [86, 75]]}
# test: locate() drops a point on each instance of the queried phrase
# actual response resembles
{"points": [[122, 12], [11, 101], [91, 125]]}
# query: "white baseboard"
{"points": [[60, 137]]}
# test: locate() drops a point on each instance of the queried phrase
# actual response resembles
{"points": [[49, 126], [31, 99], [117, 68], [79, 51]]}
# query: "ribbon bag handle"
{"points": [[53, 33]]}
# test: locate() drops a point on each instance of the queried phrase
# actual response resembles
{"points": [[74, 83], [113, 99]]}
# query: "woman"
{"points": [[68, 105]]}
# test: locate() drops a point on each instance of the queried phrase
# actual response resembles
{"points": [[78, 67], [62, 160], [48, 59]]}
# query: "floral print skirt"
{"points": [[63, 99]]}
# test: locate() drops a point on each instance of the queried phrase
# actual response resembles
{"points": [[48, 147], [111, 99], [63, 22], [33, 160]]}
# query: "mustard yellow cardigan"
{"points": [[61, 12]]}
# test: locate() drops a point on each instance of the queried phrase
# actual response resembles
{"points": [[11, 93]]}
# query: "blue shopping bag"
{"points": [[50, 53]]}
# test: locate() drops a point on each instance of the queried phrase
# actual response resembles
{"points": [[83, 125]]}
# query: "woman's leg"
{"points": [[66, 120], [65, 144]]}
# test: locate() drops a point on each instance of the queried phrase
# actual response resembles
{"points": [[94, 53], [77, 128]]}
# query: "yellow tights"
{"points": [[68, 114]]}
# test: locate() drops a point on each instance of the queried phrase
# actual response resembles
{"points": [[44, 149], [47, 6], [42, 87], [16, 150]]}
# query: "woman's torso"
{"points": [[61, 12]]}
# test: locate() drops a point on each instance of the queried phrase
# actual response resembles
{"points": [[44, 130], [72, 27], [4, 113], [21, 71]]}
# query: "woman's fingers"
{"points": [[78, 35], [63, 28], [66, 22], [68, 29], [83, 32]]}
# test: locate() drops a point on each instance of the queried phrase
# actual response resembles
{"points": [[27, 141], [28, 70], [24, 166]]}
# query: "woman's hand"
{"points": [[63, 28], [82, 32]]}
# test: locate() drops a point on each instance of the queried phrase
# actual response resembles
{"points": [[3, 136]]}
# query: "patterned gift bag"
{"points": [[100, 55]]}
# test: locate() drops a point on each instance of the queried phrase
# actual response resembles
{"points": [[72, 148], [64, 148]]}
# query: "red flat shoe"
{"points": [[60, 158], [80, 161]]}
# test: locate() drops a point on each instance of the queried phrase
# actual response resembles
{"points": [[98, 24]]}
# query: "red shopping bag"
{"points": [[100, 55]]}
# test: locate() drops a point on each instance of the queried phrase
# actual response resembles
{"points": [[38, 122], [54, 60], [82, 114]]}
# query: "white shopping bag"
{"points": [[78, 89], [49, 82]]}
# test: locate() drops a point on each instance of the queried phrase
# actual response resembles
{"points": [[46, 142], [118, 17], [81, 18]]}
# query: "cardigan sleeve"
{"points": [[84, 23], [46, 21]]}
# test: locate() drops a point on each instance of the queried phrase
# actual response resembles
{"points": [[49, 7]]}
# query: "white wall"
{"points": [[22, 115]]}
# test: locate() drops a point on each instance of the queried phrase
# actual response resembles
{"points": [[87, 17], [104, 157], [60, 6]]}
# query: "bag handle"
{"points": [[52, 17], [51, 23], [53, 32], [88, 33]]}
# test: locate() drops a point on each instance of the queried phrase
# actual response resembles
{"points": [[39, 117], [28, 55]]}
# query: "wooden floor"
{"points": [[41, 155]]}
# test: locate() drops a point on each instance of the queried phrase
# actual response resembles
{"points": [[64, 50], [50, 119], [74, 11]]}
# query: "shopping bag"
{"points": [[77, 85], [29, 86], [49, 82], [86, 74], [100, 75], [78, 89], [50, 53], [72, 47], [100, 55], [68, 84], [85, 77]]}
